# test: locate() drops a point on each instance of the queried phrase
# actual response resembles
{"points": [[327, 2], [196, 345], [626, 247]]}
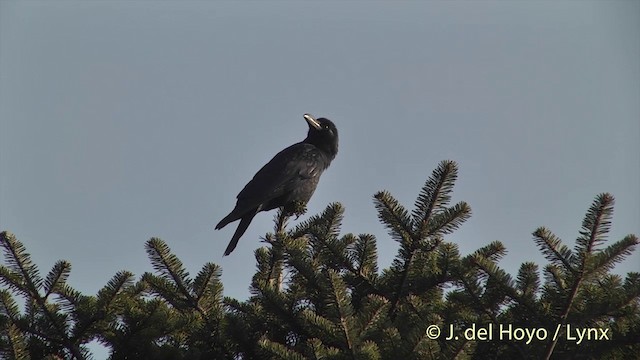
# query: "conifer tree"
{"points": [[318, 293], [58, 321]]}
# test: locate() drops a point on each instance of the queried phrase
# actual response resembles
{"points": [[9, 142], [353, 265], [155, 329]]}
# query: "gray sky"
{"points": [[126, 120]]}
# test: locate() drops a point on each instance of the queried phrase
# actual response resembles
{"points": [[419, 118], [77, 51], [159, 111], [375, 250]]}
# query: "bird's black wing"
{"points": [[281, 175]]}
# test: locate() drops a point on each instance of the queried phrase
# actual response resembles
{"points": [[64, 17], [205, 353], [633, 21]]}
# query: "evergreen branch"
{"points": [[78, 316], [455, 348], [421, 344], [323, 326], [366, 254], [447, 220], [264, 266], [277, 304], [71, 299], [498, 287], [494, 251], [499, 283], [279, 350], [17, 348], [300, 260], [554, 275], [632, 284], [169, 266], [207, 282], [235, 306], [631, 288], [328, 222], [322, 351], [8, 306], [553, 249], [369, 350], [329, 227], [408, 275], [372, 315], [168, 290], [303, 227], [276, 262], [333, 252], [400, 225], [340, 301], [490, 269], [340, 252], [13, 280], [400, 291], [564, 315], [59, 321], [395, 218], [57, 277], [19, 261], [280, 220], [606, 259], [271, 261], [110, 292], [469, 282], [393, 341], [86, 317], [436, 192], [528, 281], [10, 330], [602, 298], [595, 226], [209, 302], [448, 258]]}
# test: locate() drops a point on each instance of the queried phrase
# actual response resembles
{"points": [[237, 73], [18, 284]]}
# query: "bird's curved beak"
{"points": [[312, 122]]}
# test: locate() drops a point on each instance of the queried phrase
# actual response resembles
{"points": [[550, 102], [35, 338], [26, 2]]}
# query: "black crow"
{"points": [[288, 180]]}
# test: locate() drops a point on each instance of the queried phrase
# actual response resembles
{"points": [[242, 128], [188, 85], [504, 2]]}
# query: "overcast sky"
{"points": [[124, 120]]}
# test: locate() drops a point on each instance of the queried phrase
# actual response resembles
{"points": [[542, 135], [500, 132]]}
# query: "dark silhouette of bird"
{"points": [[288, 180]]}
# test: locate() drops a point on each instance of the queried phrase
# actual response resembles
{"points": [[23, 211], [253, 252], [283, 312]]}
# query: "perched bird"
{"points": [[288, 180]]}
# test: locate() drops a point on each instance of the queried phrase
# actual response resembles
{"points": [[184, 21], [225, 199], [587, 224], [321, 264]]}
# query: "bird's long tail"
{"points": [[242, 227], [227, 219]]}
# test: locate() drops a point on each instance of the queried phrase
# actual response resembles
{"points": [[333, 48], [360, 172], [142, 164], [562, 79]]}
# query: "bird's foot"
{"points": [[297, 208]]}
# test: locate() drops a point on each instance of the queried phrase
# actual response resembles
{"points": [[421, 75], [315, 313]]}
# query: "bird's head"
{"points": [[323, 134]]}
